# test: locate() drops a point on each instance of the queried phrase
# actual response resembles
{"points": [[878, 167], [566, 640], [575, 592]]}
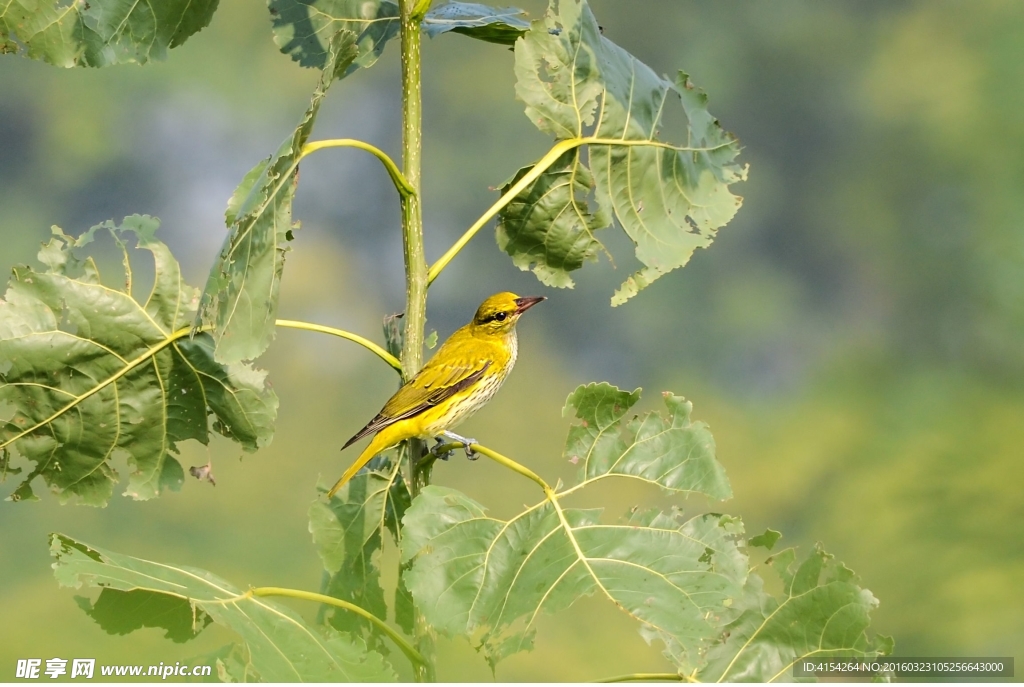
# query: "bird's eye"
{"points": [[500, 317]]}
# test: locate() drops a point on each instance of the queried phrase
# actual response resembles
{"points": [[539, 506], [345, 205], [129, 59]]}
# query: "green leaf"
{"points": [[502, 25], [347, 532], [119, 613], [822, 612], [669, 198], [90, 372], [282, 646], [302, 29], [99, 33], [239, 304], [767, 540], [489, 579], [549, 227], [670, 451], [431, 340]]}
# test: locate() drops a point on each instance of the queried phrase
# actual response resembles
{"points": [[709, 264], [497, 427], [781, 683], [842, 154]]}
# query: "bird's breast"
{"points": [[466, 402], [513, 351]]}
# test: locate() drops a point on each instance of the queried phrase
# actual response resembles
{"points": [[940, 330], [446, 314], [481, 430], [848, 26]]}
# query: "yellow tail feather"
{"points": [[379, 443]]}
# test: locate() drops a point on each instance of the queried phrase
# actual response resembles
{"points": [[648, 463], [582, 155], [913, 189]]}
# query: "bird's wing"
{"points": [[440, 379]]}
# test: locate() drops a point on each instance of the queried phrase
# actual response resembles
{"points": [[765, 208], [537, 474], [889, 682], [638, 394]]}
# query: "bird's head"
{"points": [[499, 313]]}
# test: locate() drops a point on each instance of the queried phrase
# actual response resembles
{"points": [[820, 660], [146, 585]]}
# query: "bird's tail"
{"points": [[379, 443]]}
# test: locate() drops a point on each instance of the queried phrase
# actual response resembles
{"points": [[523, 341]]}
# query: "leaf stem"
{"points": [[559, 149], [645, 677], [407, 649], [402, 184], [365, 343], [501, 460], [542, 165]]}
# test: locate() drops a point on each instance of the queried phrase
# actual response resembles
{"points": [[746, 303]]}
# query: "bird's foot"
{"points": [[465, 441], [442, 455]]}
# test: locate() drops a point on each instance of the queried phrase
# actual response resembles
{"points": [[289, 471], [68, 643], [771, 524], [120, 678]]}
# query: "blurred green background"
{"points": [[855, 337]]}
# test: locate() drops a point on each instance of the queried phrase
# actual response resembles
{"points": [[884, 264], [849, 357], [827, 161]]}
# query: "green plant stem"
{"points": [[411, 15], [412, 212], [403, 186], [365, 343], [499, 459], [407, 649], [557, 151], [645, 677]]}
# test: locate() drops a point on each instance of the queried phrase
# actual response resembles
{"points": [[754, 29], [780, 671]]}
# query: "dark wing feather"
{"points": [[433, 384]]}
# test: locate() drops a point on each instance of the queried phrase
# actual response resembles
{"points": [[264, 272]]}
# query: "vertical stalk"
{"points": [[412, 212], [416, 282]]}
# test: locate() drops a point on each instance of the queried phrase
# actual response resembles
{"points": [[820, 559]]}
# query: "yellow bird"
{"points": [[463, 375]]}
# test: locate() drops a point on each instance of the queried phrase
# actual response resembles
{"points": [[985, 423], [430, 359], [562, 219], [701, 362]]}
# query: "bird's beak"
{"points": [[524, 304]]}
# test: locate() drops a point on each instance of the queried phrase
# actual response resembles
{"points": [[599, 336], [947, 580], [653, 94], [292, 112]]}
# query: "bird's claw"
{"points": [[466, 442], [442, 455]]}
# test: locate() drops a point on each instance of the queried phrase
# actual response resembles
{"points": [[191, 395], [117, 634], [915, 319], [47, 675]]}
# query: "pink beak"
{"points": [[524, 304]]}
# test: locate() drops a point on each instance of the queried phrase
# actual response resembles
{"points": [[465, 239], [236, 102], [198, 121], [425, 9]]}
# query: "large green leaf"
{"points": [[98, 33], [347, 532], [669, 198], [490, 579], [89, 372], [502, 25], [822, 612], [282, 647], [239, 304]]}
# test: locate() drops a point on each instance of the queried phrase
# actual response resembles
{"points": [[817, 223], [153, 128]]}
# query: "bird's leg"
{"points": [[443, 455], [465, 441]]}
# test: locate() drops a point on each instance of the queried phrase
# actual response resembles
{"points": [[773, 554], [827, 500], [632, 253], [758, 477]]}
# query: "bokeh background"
{"points": [[854, 338]]}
